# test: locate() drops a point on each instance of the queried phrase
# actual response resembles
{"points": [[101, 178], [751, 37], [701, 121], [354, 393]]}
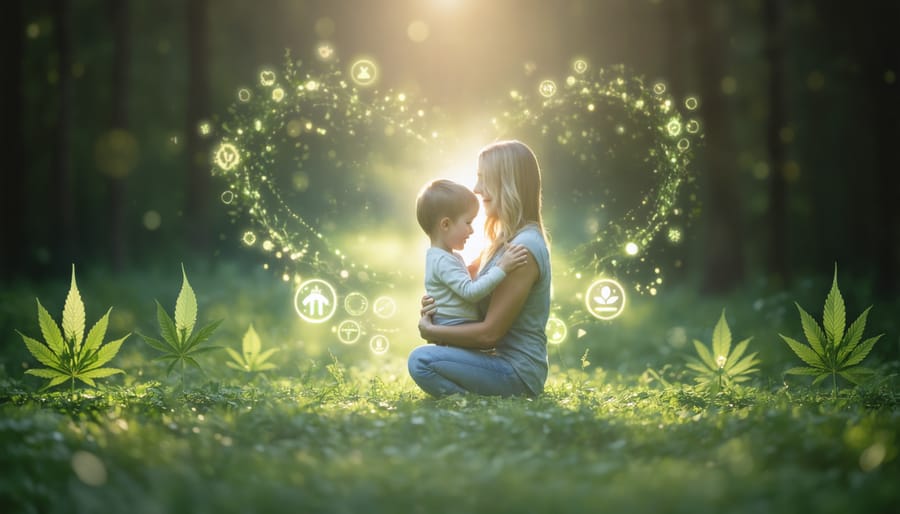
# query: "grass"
{"points": [[349, 432]]}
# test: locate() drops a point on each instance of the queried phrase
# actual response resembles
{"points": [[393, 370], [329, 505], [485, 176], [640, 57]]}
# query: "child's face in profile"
{"points": [[460, 229]]}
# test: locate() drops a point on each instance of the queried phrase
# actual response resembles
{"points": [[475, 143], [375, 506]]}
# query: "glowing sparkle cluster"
{"points": [[616, 153], [297, 154]]}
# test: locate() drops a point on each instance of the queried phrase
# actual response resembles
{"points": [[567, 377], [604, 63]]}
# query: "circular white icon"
{"points": [[384, 307], [379, 344], [605, 299], [356, 304], [363, 72], [349, 331], [556, 330], [315, 301]]}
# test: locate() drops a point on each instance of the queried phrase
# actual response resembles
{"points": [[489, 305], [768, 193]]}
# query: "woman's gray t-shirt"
{"points": [[524, 346]]}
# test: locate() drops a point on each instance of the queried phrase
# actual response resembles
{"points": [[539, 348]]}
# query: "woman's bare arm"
{"points": [[506, 304]]}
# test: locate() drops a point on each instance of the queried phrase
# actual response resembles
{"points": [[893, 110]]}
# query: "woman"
{"points": [[515, 314]]}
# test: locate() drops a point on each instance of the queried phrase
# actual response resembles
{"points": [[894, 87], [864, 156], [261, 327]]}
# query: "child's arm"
{"points": [[454, 274]]}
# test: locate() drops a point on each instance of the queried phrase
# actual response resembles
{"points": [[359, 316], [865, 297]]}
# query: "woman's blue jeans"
{"points": [[445, 370]]}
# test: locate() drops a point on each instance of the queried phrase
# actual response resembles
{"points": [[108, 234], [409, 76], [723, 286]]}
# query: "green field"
{"points": [[336, 429]]}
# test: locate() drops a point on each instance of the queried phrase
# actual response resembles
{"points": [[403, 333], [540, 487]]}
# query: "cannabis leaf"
{"points": [[252, 360], [66, 353], [721, 368], [832, 351], [180, 344]]}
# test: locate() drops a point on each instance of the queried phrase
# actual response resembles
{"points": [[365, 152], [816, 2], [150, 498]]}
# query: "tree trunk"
{"points": [[724, 265], [120, 20], [777, 223], [197, 221], [63, 232], [12, 180]]}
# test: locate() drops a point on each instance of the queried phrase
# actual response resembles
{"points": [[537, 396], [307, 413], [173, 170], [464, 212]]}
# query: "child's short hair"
{"points": [[442, 198]]}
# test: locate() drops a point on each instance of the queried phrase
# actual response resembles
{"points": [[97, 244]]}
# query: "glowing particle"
{"points": [[674, 235], [683, 144], [312, 85], [631, 249], [268, 245], [349, 331], [89, 468], [33, 30], [152, 220], [257, 125], [417, 31], [547, 88], [315, 301], [204, 128], [729, 85], [363, 72], [556, 330], [244, 95], [691, 102], [591, 107], [267, 77], [278, 94], [325, 51], [692, 126], [227, 156], [227, 197], [570, 81], [605, 299], [673, 127], [294, 128], [580, 66], [659, 88], [249, 238]]}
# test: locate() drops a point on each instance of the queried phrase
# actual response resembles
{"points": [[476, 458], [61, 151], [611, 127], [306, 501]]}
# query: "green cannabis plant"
{"points": [[718, 367], [67, 354], [252, 359], [833, 351], [180, 343]]}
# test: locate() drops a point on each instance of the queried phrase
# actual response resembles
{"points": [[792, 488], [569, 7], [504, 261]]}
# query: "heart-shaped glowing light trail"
{"points": [[304, 154], [615, 153]]}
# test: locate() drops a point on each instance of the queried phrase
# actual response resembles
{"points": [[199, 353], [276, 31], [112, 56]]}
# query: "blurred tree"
{"points": [[724, 265], [198, 108], [63, 232], [777, 244], [12, 181], [119, 14]]}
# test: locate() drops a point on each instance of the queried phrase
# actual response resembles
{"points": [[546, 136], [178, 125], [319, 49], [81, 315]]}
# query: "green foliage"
{"points": [[720, 368], [833, 351], [67, 354], [252, 360], [180, 343]]}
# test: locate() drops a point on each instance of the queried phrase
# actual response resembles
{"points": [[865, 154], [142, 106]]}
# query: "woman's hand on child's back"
{"points": [[513, 257]]}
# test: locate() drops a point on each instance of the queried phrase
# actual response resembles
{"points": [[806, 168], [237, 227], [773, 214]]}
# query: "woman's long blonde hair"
{"points": [[511, 177]]}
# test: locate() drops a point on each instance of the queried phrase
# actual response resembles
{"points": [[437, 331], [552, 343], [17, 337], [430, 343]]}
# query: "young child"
{"points": [[445, 211]]}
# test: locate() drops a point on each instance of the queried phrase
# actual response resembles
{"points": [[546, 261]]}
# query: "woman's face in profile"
{"points": [[486, 199]]}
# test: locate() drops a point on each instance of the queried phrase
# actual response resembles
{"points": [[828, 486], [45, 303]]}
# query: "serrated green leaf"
{"points": [[175, 360], [50, 330], [853, 335], [44, 373], [739, 350], [834, 318], [819, 378], [192, 362], [101, 373], [698, 367], [204, 349], [861, 351], [744, 366], [156, 344], [167, 328], [235, 356], [264, 356], [41, 352], [704, 354], [236, 366], [813, 332], [804, 352], [721, 342], [202, 335], [185, 307], [73, 314], [97, 333], [56, 381], [857, 375], [87, 380], [251, 343], [108, 351]]}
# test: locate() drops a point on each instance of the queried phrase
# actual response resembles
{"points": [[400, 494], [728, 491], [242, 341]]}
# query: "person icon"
{"points": [[316, 302]]}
